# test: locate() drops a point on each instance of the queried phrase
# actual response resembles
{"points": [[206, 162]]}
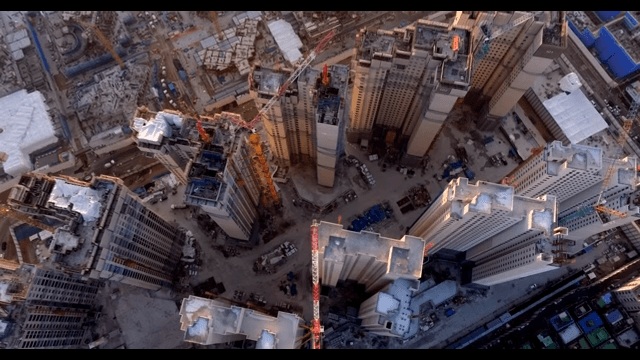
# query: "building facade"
{"points": [[216, 170], [514, 60], [407, 81], [629, 295], [307, 123], [366, 257], [57, 311], [103, 230], [562, 171]]}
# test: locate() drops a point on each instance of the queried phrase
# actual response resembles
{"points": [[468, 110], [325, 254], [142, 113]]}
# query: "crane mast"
{"points": [[290, 80], [105, 42], [316, 328]]}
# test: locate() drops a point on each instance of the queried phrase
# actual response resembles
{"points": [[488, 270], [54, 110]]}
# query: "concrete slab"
{"points": [[148, 323]]}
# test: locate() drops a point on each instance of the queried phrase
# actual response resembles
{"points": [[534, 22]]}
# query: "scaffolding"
{"points": [[261, 168], [9, 212]]}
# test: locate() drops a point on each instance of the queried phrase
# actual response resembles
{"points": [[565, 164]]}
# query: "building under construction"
{"points": [[102, 230], [223, 172], [307, 123], [366, 257]]}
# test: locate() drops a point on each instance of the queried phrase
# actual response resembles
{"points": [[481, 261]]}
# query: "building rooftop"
{"points": [[575, 115], [25, 126], [576, 156], [268, 81], [404, 256], [74, 207], [287, 40], [404, 298], [330, 99], [205, 321], [483, 196], [582, 21]]}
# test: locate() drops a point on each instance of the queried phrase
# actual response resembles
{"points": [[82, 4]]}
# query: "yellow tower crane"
{"points": [[259, 163], [104, 41], [16, 215]]}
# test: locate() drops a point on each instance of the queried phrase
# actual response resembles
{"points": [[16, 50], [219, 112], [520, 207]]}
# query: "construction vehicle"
{"points": [[316, 328], [104, 41], [214, 19], [488, 34], [303, 65], [16, 215]]}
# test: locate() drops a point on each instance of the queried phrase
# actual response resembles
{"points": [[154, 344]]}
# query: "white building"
{"points": [[465, 215], [629, 295], [393, 310], [366, 257], [562, 171], [206, 322], [25, 127]]}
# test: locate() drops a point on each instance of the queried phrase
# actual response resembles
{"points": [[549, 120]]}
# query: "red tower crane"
{"points": [[325, 75], [316, 328]]}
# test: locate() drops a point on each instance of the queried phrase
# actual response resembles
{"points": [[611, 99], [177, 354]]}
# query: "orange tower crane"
{"points": [[214, 19], [316, 328], [104, 41], [259, 163], [290, 80]]}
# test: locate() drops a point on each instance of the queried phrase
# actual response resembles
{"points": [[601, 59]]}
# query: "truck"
{"points": [[449, 312], [183, 75], [172, 88]]}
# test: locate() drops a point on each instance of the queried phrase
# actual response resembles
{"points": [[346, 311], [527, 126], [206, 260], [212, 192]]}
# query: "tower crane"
{"points": [[626, 126], [316, 328], [16, 215], [104, 41], [214, 19], [489, 34], [303, 65]]}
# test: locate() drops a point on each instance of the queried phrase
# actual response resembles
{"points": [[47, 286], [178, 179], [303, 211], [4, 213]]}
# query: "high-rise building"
{"points": [[519, 256], [366, 257], [57, 311], [206, 322], [562, 171], [52, 310], [407, 81], [629, 295], [578, 213], [104, 231], [465, 215], [165, 137], [514, 61], [307, 123], [217, 173]]}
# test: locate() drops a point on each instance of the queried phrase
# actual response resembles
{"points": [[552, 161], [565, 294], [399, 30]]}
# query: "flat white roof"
{"points": [[575, 115], [287, 40], [26, 127]]}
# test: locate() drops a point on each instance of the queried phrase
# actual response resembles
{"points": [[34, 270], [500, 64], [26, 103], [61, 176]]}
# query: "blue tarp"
{"points": [[590, 322]]}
